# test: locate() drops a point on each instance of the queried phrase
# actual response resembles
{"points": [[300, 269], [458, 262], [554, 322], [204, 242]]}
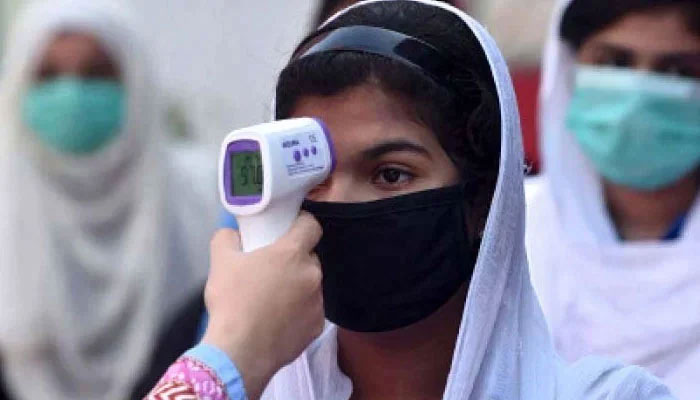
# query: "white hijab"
{"points": [[637, 302], [96, 251], [503, 350]]}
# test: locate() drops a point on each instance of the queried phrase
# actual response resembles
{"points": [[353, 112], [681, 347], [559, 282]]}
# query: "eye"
{"points": [[680, 70], [102, 69], [613, 57], [392, 177], [46, 73], [617, 60]]}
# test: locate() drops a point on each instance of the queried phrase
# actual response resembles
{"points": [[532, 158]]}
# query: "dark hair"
{"points": [[328, 7], [463, 111], [584, 18]]}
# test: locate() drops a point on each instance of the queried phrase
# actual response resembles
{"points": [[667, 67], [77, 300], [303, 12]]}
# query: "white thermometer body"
{"points": [[266, 171]]}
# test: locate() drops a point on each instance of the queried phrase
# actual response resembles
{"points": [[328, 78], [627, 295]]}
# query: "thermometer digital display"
{"points": [[247, 174]]}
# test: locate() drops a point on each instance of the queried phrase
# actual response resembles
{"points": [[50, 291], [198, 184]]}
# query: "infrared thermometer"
{"points": [[266, 171]]}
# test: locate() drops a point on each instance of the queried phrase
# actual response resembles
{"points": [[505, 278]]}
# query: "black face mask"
{"points": [[390, 263]]}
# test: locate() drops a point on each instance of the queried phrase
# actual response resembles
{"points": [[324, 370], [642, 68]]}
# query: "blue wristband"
{"points": [[223, 367]]}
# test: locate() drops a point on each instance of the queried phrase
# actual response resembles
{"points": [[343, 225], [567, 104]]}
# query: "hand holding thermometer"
{"points": [[266, 171]]}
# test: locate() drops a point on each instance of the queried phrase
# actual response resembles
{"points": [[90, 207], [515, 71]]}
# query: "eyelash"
{"points": [[405, 177], [97, 70], [623, 60], [616, 60], [678, 70]]}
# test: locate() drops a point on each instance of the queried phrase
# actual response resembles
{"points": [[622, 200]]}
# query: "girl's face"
{"points": [[654, 41], [381, 151], [77, 55]]}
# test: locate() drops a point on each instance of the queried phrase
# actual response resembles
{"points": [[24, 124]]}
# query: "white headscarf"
{"points": [[633, 301], [503, 350], [95, 251]]}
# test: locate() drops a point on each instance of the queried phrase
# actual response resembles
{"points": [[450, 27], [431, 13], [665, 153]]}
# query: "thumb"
{"points": [[225, 240], [305, 232]]}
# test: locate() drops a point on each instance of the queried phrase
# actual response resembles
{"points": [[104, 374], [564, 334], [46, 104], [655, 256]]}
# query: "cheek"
{"points": [[587, 54], [450, 172], [442, 171], [585, 57]]}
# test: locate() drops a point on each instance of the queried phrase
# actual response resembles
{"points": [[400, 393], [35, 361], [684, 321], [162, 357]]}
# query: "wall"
{"points": [[217, 59], [218, 62], [7, 10]]}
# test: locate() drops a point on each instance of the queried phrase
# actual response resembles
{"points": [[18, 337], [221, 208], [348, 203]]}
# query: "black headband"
{"points": [[383, 42]]}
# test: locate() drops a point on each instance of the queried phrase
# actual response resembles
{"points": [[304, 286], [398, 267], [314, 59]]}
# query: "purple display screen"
{"points": [[243, 173]]}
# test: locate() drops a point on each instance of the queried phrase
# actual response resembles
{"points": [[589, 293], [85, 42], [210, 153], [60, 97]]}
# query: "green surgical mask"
{"points": [[639, 129], [74, 115]]}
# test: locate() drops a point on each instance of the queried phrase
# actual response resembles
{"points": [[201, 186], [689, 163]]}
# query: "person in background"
{"points": [[613, 229], [104, 226]]}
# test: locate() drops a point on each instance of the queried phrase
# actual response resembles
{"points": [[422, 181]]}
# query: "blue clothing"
{"points": [[223, 367], [676, 229], [227, 220], [674, 232], [203, 322]]}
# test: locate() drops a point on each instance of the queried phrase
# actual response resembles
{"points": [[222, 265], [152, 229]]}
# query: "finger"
{"points": [[225, 240], [315, 260], [320, 320], [305, 232], [315, 276]]}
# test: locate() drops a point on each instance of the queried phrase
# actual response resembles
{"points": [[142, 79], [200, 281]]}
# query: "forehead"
{"points": [[364, 116], [657, 31], [75, 45]]}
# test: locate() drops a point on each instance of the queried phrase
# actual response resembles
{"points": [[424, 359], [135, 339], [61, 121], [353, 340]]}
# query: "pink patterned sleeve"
{"points": [[189, 379]]}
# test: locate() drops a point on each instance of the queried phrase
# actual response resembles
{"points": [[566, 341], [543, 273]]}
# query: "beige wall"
{"points": [[519, 26], [219, 58], [7, 10]]}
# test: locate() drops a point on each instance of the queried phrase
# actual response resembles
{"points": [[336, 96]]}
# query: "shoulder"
{"points": [[541, 222], [537, 194], [541, 215], [533, 186], [599, 378]]}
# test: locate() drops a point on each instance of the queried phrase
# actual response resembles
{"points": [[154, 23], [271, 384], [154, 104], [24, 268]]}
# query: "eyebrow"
{"points": [[392, 146]]}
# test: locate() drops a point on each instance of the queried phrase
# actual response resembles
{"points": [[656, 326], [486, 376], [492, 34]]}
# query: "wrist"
{"points": [[205, 372], [254, 365]]}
